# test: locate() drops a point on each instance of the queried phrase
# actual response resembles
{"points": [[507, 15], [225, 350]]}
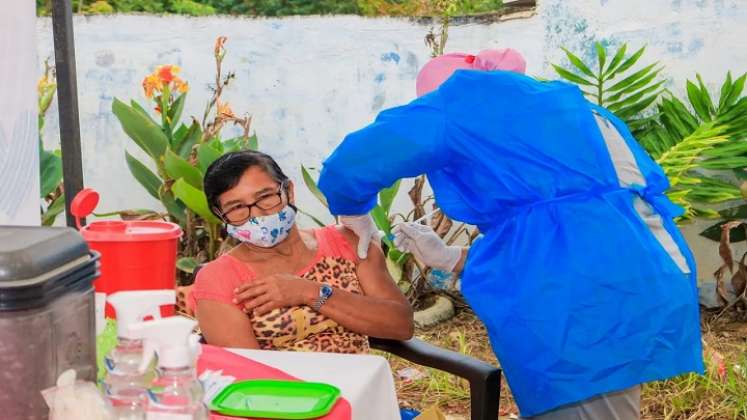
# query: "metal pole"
{"points": [[67, 100]]}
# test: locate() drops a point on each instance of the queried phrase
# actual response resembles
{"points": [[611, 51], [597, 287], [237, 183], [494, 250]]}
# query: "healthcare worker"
{"points": [[585, 284]]}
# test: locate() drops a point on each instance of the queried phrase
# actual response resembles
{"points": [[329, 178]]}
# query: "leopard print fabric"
{"points": [[300, 328]]}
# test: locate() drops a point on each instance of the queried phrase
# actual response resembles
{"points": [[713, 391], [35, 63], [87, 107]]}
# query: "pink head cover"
{"points": [[439, 69]]}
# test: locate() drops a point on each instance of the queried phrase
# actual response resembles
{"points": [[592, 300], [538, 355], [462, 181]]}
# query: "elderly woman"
{"points": [[286, 288]]}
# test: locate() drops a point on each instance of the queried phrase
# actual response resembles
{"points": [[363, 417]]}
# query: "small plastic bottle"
{"points": [[176, 393], [125, 385]]}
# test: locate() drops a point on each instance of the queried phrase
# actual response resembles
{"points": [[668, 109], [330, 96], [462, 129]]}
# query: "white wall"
{"points": [[308, 81], [19, 150]]}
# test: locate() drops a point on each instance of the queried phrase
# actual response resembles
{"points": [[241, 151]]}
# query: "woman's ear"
{"points": [[290, 190]]}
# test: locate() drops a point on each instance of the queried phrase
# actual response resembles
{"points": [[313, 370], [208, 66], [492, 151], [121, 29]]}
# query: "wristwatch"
{"points": [[325, 292]]}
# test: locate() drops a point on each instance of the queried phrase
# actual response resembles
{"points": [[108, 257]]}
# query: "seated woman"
{"points": [[285, 288]]}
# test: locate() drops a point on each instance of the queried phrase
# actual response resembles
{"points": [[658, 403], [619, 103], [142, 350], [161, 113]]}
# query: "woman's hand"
{"points": [[275, 291]]}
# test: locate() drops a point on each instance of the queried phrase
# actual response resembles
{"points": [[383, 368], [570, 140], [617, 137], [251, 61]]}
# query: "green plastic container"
{"points": [[274, 399]]}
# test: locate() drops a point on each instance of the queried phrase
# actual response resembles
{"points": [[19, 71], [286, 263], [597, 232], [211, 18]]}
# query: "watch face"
{"points": [[326, 290]]}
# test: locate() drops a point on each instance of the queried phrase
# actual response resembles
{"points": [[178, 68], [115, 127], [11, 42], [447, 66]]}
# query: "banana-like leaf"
{"points": [[387, 195], [311, 185], [175, 112], [194, 199], [578, 63], [178, 168], [313, 218], [54, 209], [141, 129], [382, 222], [150, 181], [714, 233], [193, 135], [177, 210], [50, 166], [136, 106], [187, 264], [207, 154]]}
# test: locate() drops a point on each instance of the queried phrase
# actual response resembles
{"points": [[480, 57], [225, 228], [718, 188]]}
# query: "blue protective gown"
{"points": [[578, 294]]}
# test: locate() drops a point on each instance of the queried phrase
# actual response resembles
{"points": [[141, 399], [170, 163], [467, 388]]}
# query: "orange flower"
{"points": [[180, 85], [151, 84], [225, 111], [167, 72]]}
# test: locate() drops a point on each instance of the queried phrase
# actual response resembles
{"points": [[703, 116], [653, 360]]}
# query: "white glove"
{"points": [[422, 242], [365, 228]]}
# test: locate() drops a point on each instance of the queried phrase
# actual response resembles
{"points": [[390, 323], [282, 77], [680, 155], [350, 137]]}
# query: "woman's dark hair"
{"points": [[225, 172]]}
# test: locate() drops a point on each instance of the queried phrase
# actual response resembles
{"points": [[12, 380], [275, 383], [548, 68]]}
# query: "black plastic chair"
{"points": [[484, 379]]}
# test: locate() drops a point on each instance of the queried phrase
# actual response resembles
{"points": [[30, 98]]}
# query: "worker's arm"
{"points": [[403, 142]]}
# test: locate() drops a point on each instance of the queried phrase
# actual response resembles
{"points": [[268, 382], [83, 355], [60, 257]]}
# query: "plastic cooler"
{"points": [[46, 315], [135, 254]]}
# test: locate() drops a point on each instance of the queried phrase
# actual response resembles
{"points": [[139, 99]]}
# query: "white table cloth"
{"points": [[364, 380]]}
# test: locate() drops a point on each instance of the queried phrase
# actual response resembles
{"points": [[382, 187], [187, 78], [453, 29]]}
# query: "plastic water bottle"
{"points": [[125, 383], [176, 394]]}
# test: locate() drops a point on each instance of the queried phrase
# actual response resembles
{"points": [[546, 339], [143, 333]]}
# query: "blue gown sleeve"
{"points": [[402, 142]]}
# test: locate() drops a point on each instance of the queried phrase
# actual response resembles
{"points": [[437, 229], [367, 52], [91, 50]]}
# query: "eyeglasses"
{"points": [[240, 213]]}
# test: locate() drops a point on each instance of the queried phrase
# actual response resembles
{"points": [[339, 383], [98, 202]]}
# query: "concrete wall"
{"points": [[308, 81], [19, 150]]}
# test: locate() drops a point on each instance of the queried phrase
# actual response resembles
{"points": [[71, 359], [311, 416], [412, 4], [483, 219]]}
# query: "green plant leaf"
{"points": [[705, 96], [141, 129], [578, 63], [175, 112], [176, 209], [601, 56], [194, 199], [382, 223], [736, 91], [50, 166], [635, 109], [191, 137], [253, 143], [628, 81], [726, 88], [136, 106], [616, 60], [54, 209], [387, 195], [150, 181], [311, 185], [634, 98], [641, 83], [207, 154], [313, 218], [178, 168], [630, 62], [696, 99], [571, 77], [731, 162], [714, 233], [187, 264]]}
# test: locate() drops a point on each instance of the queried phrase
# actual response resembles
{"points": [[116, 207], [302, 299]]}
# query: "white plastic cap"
{"points": [[171, 338], [134, 306]]}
